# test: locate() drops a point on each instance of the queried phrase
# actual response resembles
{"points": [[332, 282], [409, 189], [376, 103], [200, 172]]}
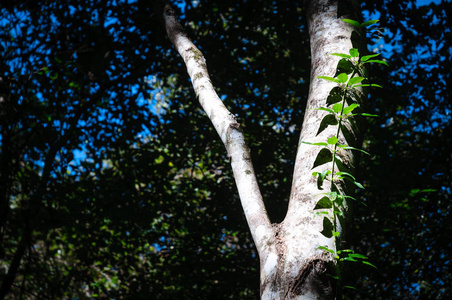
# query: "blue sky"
{"points": [[150, 103]]}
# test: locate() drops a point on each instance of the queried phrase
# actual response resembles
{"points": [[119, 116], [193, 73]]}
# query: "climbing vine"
{"points": [[343, 104]]}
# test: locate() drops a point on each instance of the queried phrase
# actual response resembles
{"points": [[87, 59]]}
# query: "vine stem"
{"points": [[339, 126]]}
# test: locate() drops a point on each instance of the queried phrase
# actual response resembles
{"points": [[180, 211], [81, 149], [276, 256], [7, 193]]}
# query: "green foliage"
{"points": [[342, 110], [358, 25], [112, 168], [121, 221]]}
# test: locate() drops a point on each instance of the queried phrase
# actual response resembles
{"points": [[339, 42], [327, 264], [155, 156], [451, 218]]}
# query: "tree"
{"points": [[137, 199], [293, 260]]}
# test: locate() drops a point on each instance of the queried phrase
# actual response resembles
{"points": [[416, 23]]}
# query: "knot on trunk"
{"points": [[316, 276]]}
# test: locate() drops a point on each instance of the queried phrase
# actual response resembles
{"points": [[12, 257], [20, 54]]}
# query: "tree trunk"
{"points": [[292, 265], [304, 271]]}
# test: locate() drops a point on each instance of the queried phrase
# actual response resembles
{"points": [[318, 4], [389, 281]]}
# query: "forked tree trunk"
{"points": [[292, 265]]}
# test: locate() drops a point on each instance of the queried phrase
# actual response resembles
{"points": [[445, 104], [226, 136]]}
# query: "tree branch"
{"points": [[229, 131]]}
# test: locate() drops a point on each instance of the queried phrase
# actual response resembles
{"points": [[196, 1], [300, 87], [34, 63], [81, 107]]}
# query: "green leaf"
{"points": [[321, 177], [344, 174], [338, 212], [355, 80], [349, 177], [314, 144], [355, 182], [428, 190], [414, 192], [347, 250], [332, 195], [353, 148], [328, 78], [337, 108], [350, 108], [327, 120], [344, 66], [336, 233], [340, 200], [342, 78], [369, 115], [352, 22], [357, 255], [359, 185], [368, 23], [354, 52], [367, 57], [73, 85], [357, 149], [332, 140], [341, 55], [348, 259], [369, 264], [323, 203], [322, 174], [159, 160], [326, 249], [369, 84], [377, 61], [335, 95], [349, 287], [325, 109], [321, 212], [328, 228], [350, 197], [323, 157]]}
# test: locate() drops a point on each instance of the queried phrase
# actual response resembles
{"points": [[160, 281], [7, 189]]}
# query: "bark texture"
{"points": [[292, 266], [303, 269], [229, 131]]}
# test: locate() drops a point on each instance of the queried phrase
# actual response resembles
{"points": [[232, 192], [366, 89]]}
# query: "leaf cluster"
{"points": [[341, 110]]}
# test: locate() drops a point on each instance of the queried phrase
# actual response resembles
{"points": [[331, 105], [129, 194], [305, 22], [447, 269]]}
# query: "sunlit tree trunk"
{"points": [[292, 265]]}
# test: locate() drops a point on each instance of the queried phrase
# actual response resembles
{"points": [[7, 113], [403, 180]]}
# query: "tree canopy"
{"points": [[114, 184]]}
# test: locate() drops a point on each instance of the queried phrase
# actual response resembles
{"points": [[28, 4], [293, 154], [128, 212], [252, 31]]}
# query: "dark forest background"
{"points": [[113, 183]]}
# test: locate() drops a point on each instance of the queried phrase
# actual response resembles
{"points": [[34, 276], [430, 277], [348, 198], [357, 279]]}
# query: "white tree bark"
{"points": [[292, 266], [229, 131]]}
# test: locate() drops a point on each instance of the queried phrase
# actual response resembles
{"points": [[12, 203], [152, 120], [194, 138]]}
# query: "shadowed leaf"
{"points": [[325, 202], [327, 228], [335, 95], [326, 121], [323, 157]]}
